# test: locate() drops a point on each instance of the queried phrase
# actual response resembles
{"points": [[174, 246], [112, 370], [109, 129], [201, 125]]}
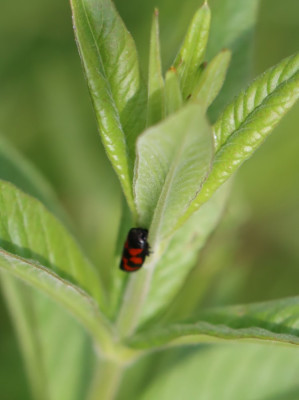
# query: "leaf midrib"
{"points": [[166, 190], [98, 51], [129, 161], [256, 108], [105, 72], [206, 329], [39, 267]]}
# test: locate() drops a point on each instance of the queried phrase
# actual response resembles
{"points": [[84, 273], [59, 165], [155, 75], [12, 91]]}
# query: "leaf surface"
{"points": [[212, 78], [246, 123], [173, 159], [173, 95], [254, 104], [226, 372], [191, 54], [56, 368], [29, 231], [71, 297], [37, 249], [20, 305], [181, 254], [155, 106], [274, 321], [56, 349], [110, 62]]}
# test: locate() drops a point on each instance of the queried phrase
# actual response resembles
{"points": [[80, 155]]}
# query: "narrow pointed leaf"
{"points": [[37, 249], [110, 62], [55, 348], [173, 159], [71, 297], [119, 278], [191, 54], [273, 321], [181, 255], [247, 122], [155, 106], [19, 301], [173, 95], [212, 78], [29, 231], [250, 107]]}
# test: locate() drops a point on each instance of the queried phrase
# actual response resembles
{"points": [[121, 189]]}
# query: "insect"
{"points": [[135, 250]]}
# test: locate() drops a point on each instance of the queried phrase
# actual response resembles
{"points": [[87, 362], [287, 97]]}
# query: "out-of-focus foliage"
{"points": [[217, 372]]}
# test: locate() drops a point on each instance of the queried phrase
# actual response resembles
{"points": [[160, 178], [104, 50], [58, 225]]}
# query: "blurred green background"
{"points": [[46, 112]]}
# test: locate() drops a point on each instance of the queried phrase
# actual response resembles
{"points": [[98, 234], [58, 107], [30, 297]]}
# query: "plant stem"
{"points": [[106, 380], [134, 298]]}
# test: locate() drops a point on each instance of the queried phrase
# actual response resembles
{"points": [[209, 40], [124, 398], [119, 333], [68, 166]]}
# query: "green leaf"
{"points": [[273, 321], [155, 106], [110, 62], [37, 249], [29, 231], [212, 78], [246, 123], [19, 301], [274, 92], [181, 255], [70, 296], [227, 372], [56, 349], [173, 159], [232, 27], [118, 277], [191, 54], [173, 95]]}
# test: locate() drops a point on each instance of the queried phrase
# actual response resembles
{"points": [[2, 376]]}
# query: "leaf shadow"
{"points": [[243, 322], [28, 255], [289, 394]]}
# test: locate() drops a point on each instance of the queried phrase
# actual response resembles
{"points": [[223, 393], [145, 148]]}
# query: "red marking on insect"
{"points": [[137, 260], [135, 252], [135, 245]]}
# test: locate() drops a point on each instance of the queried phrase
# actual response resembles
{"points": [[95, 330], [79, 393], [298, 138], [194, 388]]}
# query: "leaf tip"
{"points": [[226, 54], [205, 5]]}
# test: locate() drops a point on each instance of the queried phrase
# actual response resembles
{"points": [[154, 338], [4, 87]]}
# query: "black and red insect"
{"points": [[135, 250]]}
